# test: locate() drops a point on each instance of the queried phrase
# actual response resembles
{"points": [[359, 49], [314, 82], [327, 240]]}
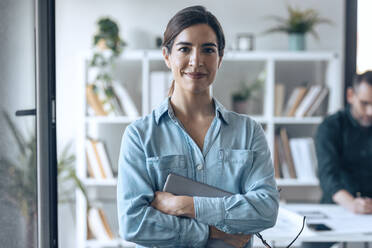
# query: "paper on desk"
{"points": [[339, 219], [287, 226], [347, 223]]}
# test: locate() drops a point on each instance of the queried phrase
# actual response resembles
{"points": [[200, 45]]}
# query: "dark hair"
{"points": [[364, 77], [188, 17]]}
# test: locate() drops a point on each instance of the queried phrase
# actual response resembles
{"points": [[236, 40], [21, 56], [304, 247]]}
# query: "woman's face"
{"points": [[194, 58]]}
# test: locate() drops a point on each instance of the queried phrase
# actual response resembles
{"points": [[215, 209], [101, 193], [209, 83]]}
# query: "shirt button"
{"points": [[199, 167]]}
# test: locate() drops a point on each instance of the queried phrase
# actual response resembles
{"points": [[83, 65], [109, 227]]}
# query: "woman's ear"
{"points": [[166, 57], [219, 61]]}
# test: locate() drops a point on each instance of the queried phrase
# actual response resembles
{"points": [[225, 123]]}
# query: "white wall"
{"points": [[76, 24]]}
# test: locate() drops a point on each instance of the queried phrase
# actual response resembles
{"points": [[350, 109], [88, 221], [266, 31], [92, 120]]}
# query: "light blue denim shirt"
{"points": [[235, 158]]}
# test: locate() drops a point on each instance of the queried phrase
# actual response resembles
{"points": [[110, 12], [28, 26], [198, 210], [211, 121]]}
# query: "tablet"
{"points": [[179, 185]]}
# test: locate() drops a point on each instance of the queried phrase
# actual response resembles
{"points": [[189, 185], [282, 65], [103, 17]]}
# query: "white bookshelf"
{"points": [[326, 69]]}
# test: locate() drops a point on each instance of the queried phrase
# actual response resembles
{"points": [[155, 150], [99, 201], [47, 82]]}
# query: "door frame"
{"points": [[46, 123]]}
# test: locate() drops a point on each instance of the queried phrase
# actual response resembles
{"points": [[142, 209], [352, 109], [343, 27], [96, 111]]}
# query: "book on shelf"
{"points": [[294, 100], [125, 100], [304, 156], [99, 166], [287, 152], [160, 82], [277, 172], [318, 101], [116, 103], [279, 99], [94, 101], [98, 224], [308, 100], [283, 164]]}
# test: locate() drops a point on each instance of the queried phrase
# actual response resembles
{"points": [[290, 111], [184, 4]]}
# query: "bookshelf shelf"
{"points": [[100, 182], [298, 120], [296, 182], [110, 119], [284, 67], [231, 55]]}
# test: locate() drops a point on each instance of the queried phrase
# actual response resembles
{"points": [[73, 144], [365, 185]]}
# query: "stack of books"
{"points": [[98, 163], [112, 101], [302, 101], [294, 158], [98, 227]]}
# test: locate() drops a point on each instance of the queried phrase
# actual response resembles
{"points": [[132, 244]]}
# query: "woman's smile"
{"points": [[195, 75]]}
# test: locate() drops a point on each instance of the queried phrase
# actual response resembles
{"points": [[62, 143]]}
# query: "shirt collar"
{"points": [[165, 107]]}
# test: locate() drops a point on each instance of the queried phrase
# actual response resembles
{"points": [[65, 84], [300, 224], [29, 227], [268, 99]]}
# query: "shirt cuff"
{"points": [[335, 188], [194, 234], [210, 211]]}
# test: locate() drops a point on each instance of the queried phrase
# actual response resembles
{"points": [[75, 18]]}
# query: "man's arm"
{"points": [[328, 155], [329, 170], [357, 205]]}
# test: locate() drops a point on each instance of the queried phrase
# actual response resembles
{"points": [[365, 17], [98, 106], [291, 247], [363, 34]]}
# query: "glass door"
{"points": [[28, 198]]}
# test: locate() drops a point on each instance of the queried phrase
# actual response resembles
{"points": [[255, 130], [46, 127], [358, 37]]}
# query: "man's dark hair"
{"points": [[364, 77]]}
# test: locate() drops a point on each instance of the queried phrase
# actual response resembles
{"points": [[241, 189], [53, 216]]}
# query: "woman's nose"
{"points": [[195, 59]]}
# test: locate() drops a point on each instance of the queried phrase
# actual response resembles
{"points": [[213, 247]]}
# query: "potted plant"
{"points": [[18, 185], [107, 47], [298, 23], [244, 100]]}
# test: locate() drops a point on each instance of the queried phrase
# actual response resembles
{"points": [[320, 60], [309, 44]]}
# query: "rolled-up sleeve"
{"points": [[256, 208], [138, 221]]}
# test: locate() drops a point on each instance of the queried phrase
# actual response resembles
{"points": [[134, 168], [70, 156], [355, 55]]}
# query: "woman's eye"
{"points": [[209, 50], [183, 49]]}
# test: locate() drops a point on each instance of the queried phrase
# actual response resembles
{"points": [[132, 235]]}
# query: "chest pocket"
{"points": [[159, 168], [236, 164]]}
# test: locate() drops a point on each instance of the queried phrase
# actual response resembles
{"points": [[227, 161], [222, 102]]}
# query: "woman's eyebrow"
{"points": [[209, 44], [184, 43]]}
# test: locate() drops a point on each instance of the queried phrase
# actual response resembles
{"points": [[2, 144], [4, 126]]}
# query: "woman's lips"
{"points": [[195, 75]]}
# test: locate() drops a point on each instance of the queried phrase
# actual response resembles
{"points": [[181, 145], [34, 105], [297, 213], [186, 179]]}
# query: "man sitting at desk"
{"points": [[344, 150]]}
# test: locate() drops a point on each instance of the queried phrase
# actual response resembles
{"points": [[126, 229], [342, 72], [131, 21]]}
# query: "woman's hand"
{"points": [[236, 240], [168, 203]]}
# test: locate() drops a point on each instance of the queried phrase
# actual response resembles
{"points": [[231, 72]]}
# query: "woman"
{"points": [[193, 135]]}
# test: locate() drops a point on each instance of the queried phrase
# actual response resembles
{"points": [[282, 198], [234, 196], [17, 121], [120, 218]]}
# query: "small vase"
{"points": [[248, 106], [240, 106], [297, 42]]}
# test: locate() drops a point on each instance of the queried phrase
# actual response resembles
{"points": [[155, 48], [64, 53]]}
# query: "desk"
{"points": [[346, 226]]}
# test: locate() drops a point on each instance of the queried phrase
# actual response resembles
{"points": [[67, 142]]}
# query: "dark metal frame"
{"points": [[351, 16], [46, 123]]}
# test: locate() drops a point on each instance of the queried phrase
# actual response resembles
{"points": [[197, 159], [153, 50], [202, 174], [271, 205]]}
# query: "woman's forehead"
{"points": [[197, 34]]}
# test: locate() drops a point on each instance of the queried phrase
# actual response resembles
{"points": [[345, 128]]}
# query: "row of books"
{"points": [[295, 157], [98, 226], [119, 103], [303, 101], [98, 163], [110, 101]]}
